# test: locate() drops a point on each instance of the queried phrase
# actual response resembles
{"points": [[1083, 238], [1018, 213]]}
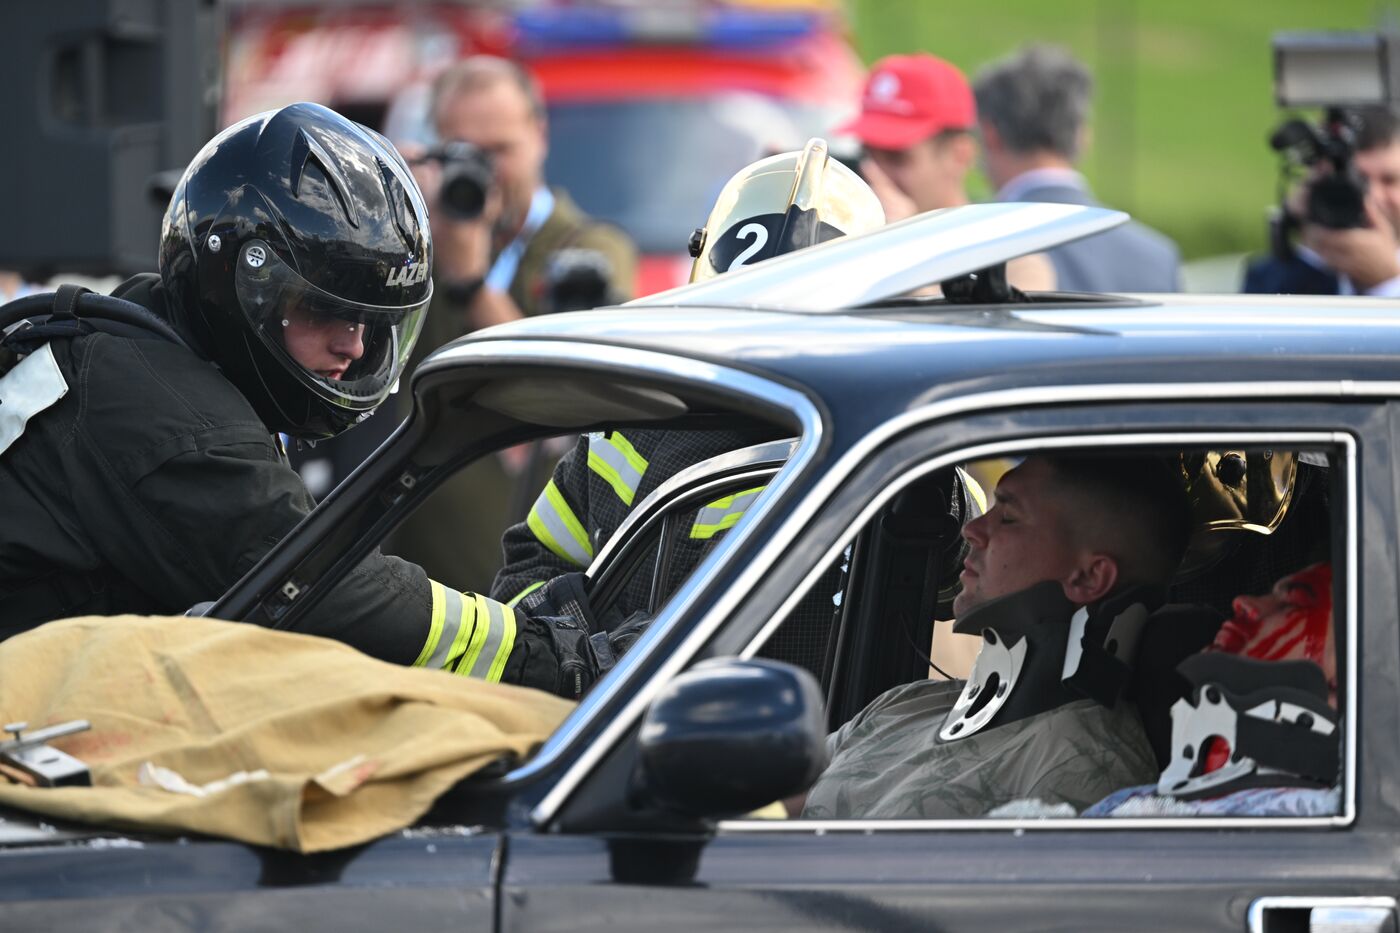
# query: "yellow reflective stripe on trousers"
{"points": [[614, 459], [558, 528], [492, 641], [449, 625], [722, 513]]}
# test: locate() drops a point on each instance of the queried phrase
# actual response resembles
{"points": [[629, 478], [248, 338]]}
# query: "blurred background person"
{"points": [[1033, 114], [498, 255], [1361, 260], [511, 248], [915, 123]]}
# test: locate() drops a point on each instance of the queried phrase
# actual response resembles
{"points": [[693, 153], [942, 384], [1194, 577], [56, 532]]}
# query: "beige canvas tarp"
{"points": [[242, 732]]}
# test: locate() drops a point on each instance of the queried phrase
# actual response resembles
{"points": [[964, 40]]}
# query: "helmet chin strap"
{"points": [[1040, 651]]}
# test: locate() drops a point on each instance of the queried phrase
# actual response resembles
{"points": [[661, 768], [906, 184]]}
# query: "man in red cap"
{"points": [[916, 120]]}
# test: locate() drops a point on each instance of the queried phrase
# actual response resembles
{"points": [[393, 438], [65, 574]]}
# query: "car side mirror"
{"points": [[729, 736]]}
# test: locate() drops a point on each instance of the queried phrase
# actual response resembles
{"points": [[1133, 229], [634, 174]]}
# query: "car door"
{"points": [[1198, 873], [81, 879]]}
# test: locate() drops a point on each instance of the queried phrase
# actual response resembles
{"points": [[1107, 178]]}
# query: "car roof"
{"points": [[882, 354]]}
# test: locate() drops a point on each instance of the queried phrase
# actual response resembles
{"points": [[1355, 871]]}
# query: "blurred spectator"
{"points": [[13, 285], [1033, 110], [502, 265], [1361, 260], [531, 251], [915, 122]]}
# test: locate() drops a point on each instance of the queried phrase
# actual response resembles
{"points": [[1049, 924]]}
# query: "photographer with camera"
{"points": [[508, 246], [1338, 232]]}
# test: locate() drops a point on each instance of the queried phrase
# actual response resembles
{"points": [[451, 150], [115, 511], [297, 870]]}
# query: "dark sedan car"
{"points": [[1283, 411]]}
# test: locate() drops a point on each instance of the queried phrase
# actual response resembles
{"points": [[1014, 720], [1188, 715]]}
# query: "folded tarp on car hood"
{"points": [[238, 731]]}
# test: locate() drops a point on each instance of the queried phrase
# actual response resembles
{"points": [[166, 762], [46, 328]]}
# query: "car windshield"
{"points": [[662, 184]]}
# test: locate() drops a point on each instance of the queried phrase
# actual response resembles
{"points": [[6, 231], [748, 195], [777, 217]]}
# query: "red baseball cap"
{"points": [[911, 97]]}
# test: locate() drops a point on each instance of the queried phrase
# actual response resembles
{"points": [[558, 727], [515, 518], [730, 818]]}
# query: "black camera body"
{"points": [[1337, 71], [468, 174], [1336, 199], [577, 279]]}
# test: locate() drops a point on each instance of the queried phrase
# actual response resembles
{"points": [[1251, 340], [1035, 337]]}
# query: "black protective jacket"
{"points": [[151, 485]]}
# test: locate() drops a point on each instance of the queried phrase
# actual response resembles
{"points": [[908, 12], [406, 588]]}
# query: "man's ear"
{"points": [[1092, 580], [964, 149]]}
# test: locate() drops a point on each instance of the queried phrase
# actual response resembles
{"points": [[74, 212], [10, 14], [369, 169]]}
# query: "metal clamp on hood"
{"points": [[39, 764]]}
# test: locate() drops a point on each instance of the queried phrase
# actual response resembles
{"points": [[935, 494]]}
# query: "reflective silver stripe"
{"points": [[434, 623], [451, 628], [723, 514], [483, 655], [557, 528], [619, 465], [34, 384]]}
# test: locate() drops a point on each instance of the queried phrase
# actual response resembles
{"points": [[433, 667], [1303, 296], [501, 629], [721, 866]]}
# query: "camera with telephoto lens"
{"points": [[468, 174], [1337, 72]]}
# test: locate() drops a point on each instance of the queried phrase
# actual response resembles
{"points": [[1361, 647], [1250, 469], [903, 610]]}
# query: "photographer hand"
{"points": [[1365, 255], [896, 203]]}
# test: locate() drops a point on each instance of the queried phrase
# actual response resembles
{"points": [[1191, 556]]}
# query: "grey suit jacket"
{"points": [[1130, 258]]}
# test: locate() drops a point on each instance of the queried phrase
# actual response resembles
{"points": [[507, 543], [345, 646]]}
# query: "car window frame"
{"points": [[961, 412], [1343, 441]]}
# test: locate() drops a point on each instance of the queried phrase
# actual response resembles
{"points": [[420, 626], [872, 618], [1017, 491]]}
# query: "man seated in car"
{"points": [[1093, 532]]}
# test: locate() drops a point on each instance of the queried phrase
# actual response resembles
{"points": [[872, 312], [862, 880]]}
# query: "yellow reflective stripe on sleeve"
{"points": [[557, 528], [482, 626], [722, 514], [617, 462], [498, 666], [467, 626], [449, 628], [525, 592], [439, 597], [491, 645]]}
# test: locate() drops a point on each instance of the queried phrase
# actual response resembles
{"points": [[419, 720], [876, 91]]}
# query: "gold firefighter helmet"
{"points": [[779, 204], [1233, 491]]}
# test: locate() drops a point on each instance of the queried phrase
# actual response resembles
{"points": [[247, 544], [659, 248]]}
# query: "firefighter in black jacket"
{"points": [[138, 467]]}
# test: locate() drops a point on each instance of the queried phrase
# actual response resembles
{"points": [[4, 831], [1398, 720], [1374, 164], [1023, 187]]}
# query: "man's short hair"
{"points": [[1376, 127], [1134, 506], [480, 72], [1037, 99]]}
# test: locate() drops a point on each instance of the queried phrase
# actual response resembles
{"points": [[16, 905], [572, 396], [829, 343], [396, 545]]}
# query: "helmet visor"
{"points": [[347, 352]]}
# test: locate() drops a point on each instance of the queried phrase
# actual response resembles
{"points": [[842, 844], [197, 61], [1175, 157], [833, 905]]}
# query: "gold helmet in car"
{"points": [[1233, 491], [779, 204]]}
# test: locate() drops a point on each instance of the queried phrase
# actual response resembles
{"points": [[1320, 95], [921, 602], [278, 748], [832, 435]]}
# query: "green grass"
{"points": [[1184, 98]]}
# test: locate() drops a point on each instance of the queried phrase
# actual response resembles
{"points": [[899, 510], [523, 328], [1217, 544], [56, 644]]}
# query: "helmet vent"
{"points": [[306, 150], [399, 207]]}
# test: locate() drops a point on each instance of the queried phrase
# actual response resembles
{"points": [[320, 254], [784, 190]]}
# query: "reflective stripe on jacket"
{"points": [[469, 634]]}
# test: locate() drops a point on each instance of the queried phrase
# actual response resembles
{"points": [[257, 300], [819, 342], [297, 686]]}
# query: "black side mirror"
{"points": [[728, 737]]}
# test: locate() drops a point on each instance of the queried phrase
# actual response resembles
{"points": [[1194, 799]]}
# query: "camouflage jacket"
{"points": [[888, 763]]}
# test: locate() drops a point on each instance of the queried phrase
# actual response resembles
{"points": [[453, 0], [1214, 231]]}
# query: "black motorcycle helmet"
{"points": [[298, 228]]}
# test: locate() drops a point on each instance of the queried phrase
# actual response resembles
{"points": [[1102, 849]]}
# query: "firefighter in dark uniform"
{"points": [[139, 468], [796, 199]]}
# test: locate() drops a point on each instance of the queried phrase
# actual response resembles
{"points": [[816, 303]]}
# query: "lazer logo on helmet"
{"points": [[412, 274]]}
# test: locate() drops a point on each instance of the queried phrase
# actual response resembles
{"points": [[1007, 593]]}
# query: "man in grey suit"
{"points": [[1032, 108]]}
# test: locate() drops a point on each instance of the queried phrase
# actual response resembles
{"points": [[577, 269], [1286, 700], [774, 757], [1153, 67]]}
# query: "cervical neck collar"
{"points": [[1039, 652]]}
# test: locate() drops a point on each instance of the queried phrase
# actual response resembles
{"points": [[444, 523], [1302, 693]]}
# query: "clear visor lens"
{"points": [[346, 350]]}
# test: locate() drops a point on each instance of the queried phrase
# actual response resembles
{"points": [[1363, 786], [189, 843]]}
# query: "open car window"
{"points": [[1224, 697]]}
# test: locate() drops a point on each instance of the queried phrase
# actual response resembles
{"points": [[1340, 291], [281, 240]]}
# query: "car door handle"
{"points": [[1323, 914]]}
